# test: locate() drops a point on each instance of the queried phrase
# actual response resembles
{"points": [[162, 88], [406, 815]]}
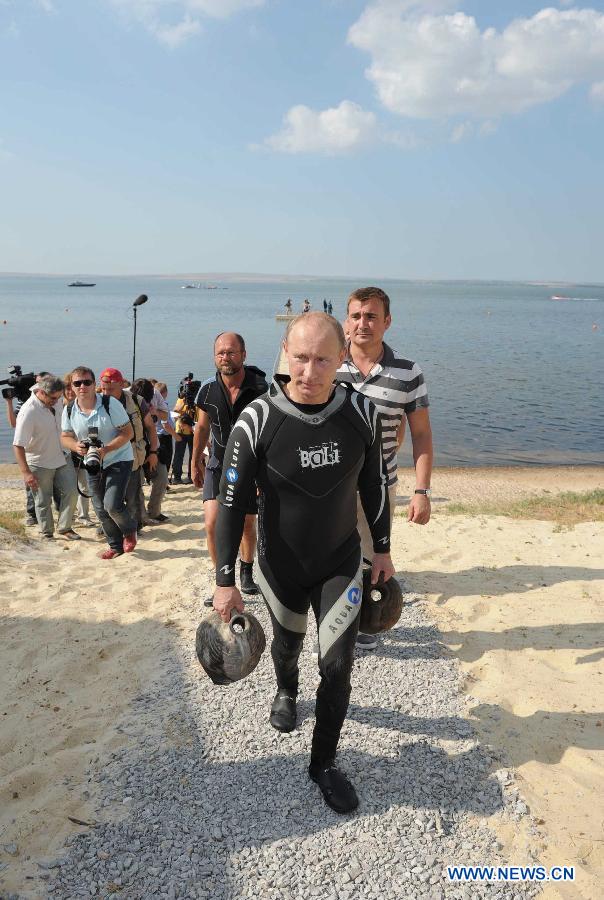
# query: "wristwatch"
{"points": [[427, 492]]}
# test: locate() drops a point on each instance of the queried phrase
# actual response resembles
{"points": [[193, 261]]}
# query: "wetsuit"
{"points": [[307, 462]]}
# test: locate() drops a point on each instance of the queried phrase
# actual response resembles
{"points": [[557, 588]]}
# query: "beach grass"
{"points": [[565, 509], [12, 522]]}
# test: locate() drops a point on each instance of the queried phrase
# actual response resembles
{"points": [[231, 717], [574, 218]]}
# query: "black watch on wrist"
{"points": [[427, 492], [152, 451]]}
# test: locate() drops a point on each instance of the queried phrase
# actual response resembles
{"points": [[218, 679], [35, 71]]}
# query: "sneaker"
{"points": [[283, 711], [162, 518], [187, 480], [84, 522], [129, 542], [70, 535], [176, 479], [366, 641], [30, 521], [337, 790], [47, 537], [110, 554]]}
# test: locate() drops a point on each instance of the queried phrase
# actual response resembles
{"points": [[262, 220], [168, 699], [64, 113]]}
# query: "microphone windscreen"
{"points": [[140, 300]]}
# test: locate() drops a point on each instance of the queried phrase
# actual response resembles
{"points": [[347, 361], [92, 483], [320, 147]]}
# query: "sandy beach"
{"points": [[517, 602]]}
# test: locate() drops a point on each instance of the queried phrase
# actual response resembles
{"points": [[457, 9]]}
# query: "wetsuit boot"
{"points": [[337, 790], [283, 710], [248, 585]]}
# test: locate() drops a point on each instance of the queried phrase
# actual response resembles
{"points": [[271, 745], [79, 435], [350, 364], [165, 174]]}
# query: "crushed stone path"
{"points": [[206, 800]]}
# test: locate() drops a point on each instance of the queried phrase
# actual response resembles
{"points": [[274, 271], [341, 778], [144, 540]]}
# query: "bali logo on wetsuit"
{"points": [[317, 457]]}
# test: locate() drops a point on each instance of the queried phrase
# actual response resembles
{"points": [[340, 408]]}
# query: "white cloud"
{"points": [[174, 35], [597, 92], [174, 21], [329, 131], [430, 65]]}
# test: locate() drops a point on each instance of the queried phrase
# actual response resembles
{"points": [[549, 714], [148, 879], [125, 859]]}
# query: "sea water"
{"points": [[514, 377]]}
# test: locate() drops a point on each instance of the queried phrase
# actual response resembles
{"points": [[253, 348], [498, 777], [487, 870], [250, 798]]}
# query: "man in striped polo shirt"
{"points": [[396, 386]]}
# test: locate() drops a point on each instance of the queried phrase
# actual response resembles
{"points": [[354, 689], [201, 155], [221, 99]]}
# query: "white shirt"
{"points": [[38, 431]]}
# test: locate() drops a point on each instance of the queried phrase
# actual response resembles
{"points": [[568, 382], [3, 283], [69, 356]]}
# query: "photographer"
{"points": [[98, 429], [185, 415], [40, 457]]}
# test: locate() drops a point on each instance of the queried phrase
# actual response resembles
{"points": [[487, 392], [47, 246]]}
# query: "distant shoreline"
{"points": [[263, 277]]}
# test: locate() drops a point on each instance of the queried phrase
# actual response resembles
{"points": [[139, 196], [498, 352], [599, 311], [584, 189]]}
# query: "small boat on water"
{"points": [[191, 287], [82, 284], [559, 297]]}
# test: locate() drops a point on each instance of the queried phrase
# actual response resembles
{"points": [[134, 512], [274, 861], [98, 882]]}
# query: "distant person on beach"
{"points": [[324, 305], [306, 305], [309, 445], [396, 386], [288, 305], [220, 401], [330, 308], [39, 454], [93, 415]]}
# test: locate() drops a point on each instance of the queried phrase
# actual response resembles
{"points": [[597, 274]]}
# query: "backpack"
{"points": [[139, 441]]}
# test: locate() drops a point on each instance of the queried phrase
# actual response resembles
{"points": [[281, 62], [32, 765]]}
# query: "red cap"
{"points": [[112, 375]]}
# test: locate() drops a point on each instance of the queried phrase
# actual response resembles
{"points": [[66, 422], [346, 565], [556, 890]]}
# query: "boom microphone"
{"points": [[140, 300]]}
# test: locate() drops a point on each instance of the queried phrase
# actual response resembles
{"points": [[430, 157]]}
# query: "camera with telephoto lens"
{"points": [[92, 459], [18, 384]]}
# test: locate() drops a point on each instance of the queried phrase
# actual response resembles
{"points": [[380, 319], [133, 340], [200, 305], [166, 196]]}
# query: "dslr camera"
{"points": [[92, 459], [18, 384]]}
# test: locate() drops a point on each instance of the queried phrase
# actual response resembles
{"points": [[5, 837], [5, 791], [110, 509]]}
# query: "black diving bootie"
{"points": [[283, 710], [337, 790], [246, 579]]}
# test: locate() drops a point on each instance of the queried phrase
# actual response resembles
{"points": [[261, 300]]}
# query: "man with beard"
{"points": [[220, 401]]}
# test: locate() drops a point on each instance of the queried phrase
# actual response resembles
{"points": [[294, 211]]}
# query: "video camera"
{"points": [[184, 385], [18, 384]]}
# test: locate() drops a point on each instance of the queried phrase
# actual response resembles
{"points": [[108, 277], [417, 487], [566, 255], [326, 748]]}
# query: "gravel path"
{"points": [[208, 801]]}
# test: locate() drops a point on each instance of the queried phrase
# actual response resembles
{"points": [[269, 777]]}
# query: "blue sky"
{"points": [[391, 138]]}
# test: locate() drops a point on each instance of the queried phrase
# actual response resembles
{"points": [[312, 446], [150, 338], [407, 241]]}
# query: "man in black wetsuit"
{"points": [[308, 444], [220, 400]]}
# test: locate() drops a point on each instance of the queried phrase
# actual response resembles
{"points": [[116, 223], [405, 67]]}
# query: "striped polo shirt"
{"points": [[396, 386]]}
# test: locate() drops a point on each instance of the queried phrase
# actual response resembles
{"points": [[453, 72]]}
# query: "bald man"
{"points": [[220, 401], [308, 445]]}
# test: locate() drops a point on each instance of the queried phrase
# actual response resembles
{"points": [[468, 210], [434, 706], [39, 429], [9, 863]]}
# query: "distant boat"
{"points": [[81, 284], [189, 287], [559, 297]]}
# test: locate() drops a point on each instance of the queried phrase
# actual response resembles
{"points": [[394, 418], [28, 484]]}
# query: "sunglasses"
{"points": [[81, 381]]}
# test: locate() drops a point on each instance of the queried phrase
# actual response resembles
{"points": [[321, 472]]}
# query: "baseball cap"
{"points": [[111, 375]]}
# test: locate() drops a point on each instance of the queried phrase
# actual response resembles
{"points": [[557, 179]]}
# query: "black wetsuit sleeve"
{"points": [[236, 485], [373, 489]]}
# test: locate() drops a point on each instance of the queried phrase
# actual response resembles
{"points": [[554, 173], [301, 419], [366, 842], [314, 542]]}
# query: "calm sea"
{"points": [[514, 377]]}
